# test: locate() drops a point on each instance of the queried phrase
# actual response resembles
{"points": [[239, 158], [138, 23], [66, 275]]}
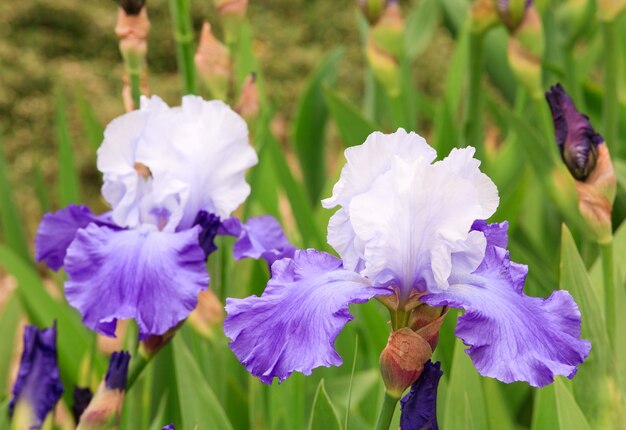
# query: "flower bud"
{"points": [[372, 9], [82, 398], [132, 30], [587, 158], [419, 406], [131, 7], [213, 63], [385, 43], [428, 329], [38, 386], [232, 13], [248, 104], [402, 360], [105, 408], [483, 16], [610, 10], [512, 12], [525, 51]]}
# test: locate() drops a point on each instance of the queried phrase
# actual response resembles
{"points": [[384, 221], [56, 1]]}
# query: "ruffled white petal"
{"points": [[414, 221], [365, 163]]}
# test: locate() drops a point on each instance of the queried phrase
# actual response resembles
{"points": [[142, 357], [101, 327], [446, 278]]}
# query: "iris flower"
{"points": [[172, 176], [410, 231]]}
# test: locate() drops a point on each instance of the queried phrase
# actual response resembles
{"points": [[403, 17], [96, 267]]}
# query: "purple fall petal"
{"points": [[152, 276], [259, 237], [419, 406], [58, 229], [38, 383], [513, 337], [292, 327]]}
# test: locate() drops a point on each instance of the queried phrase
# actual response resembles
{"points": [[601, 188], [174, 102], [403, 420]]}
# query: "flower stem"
{"points": [[386, 412], [611, 72], [473, 126], [183, 35], [135, 86], [137, 365], [608, 271]]}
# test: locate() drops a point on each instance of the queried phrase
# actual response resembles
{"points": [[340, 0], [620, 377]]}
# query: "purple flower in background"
{"points": [[419, 406], [578, 142], [169, 427], [82, 398], [38, 386], [407, 228], [170, 176]]}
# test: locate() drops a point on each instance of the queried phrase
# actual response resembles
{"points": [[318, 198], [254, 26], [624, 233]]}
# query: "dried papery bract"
{"points": [[248, 103], [372, 9], [483, 16], [208, 315], [213, 63], [132, 31]]}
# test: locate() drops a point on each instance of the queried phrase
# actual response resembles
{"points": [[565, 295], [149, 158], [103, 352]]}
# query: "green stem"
{"points": [[135, 87], [137, 365], [386, 412], [473, 125], [608, 271], [183, 35], [398, 111], [611, 73]]}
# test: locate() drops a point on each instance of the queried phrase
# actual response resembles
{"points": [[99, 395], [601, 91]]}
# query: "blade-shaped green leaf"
{"points": [[309, 126], [498, 414], [544, 409], [12, 230], [568, 411], [94, 132], [353, 126], [198, 404], [68, 175], [9, 318], [464, 398], [323, 413], [420, 27]]}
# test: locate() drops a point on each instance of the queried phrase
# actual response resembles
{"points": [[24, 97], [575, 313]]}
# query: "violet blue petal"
{"points": [[169, 427], [210, 224], [574, 134], [58, 229], [117, 373], [38, 384], [419, 406], [151, 276], [292, 327], [259, 237], [512, 336]]}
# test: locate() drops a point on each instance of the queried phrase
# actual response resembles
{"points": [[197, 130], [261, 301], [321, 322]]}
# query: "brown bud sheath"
{"points": [[402, 360], [208, 314], [213, 63], [248, 103]]}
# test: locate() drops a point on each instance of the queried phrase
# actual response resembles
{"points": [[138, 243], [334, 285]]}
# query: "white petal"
{"points": [[417, 215], [200, 155], [365, 163]]}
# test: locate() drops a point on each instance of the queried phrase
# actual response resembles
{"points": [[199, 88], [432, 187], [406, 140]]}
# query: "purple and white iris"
{"points": [[410, 227], [171, 176]]}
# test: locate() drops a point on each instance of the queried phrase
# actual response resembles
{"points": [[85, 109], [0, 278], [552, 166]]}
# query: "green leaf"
{"points": [[323, 413], [302, 211], [41, 189], [12, 230], [590, 382], [569, 413], [198, 404], [544, 409], [42, 310], [68, 175], [9, 319], [420, 27], [309, 125], [94, 132], [498, 414], [465, 392], [353, 126]]}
